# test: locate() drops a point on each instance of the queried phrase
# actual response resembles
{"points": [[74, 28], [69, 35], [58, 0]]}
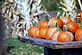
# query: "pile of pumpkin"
{"points": [[62, 29]]}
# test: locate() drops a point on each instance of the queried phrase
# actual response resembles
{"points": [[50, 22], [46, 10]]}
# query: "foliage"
{"points": [[23, 48], [21, 14], [51, 4], [69, 8]]}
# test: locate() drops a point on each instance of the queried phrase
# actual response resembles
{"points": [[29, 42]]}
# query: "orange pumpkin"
{"points": [[72, 26], [79, 16], [55, 20], [36, 33], [43, 23], [32, 30], [42, 32], [65, 37], [78, 34], [55, 35], [78, 25], [65, 19], [50, 32]]}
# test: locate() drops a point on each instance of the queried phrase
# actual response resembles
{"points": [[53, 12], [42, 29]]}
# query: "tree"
{"points": [[2, 35]]}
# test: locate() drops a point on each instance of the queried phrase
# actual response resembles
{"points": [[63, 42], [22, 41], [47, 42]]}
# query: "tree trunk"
{"points": [[2, 35]]}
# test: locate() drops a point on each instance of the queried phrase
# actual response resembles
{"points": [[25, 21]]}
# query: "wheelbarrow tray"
{"points": [[50, 43]]}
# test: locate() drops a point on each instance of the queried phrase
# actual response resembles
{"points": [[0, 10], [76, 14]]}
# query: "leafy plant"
{"points": [[15, 47]]}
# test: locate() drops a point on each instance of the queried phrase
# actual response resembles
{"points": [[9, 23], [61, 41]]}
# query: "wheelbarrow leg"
{"points": [[45, 51], [70, 51], [73, 51], [49, 51]]}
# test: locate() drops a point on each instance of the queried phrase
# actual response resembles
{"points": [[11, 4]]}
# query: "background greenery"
{"points": [[15, 47], [51, 5]]}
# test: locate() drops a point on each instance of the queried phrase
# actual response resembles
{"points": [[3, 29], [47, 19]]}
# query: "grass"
{"points": [[15, 47]]}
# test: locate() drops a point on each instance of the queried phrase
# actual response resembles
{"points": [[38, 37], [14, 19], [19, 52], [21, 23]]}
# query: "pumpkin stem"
{"points": [[81, 25], [77, 20], [64, 28], [58, 28], [58, 15], [55, 25], [48, 24], [35, 24]]}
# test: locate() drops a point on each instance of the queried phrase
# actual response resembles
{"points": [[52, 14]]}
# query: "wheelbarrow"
{"points": [[55, 48]]}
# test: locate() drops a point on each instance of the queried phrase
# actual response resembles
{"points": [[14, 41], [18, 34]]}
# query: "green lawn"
{"points": [[18, 48]]}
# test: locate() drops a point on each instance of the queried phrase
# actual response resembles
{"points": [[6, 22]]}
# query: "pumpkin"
{"points": [[78, 34], [55, 20], [36, 33], [55, 35], [32, 30], [65, 36], [42, 32], [72, 26], [43, 23], [65, 19], [50, 32], [78, 25], [79, 16]]}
